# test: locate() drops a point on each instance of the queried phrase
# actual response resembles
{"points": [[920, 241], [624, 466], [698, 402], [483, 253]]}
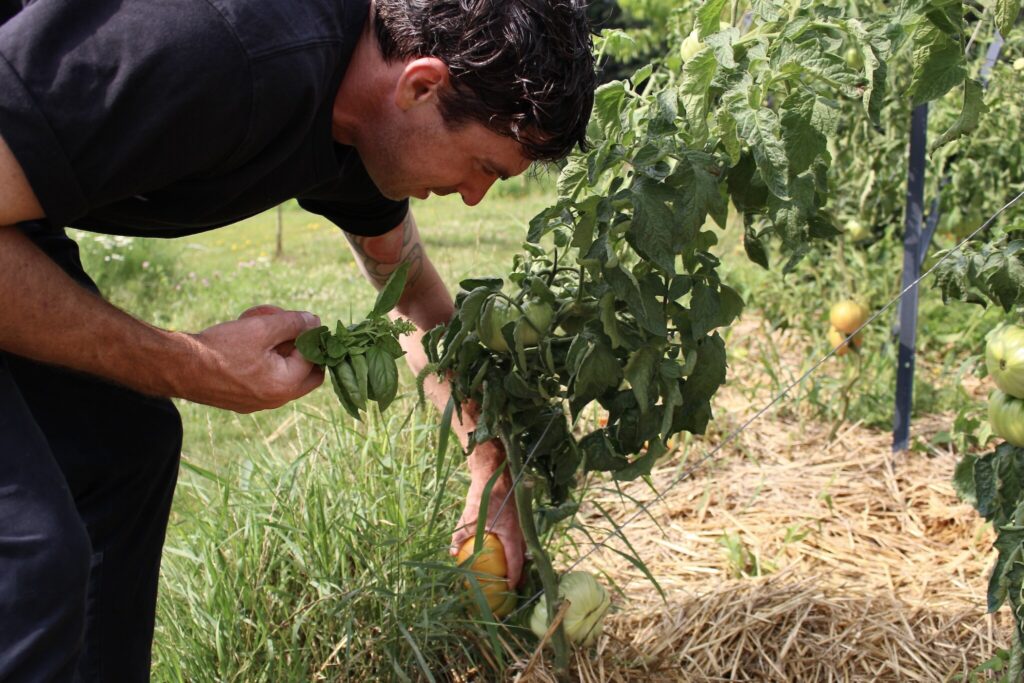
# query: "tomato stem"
{"points": [[548, 578]]}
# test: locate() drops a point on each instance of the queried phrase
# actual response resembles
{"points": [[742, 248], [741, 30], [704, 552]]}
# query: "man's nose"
{"points": [[473, 193]]}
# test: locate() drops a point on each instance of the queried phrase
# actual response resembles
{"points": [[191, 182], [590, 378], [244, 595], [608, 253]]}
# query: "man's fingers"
{"points": [[314, 379], [285, 326], [261, 309], [513, 558], [283, 348]]}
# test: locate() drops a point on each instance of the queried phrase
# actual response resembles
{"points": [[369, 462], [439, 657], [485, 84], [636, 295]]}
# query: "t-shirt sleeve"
{"points": [[107, 99], [354, 203]]}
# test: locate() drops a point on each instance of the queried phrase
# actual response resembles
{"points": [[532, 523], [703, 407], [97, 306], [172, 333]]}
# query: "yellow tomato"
{"points": [[491, 570], [846, 316], [835, 338]]}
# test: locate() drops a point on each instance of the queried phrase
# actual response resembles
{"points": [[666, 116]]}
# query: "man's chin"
{"points": [[399, 195]]}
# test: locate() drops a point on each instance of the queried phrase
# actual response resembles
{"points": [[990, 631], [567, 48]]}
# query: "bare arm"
{"points": [[427, 303], [47, 316]]}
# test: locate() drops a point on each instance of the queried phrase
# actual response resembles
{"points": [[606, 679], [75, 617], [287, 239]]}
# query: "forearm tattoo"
{"points": [[379, 256]]}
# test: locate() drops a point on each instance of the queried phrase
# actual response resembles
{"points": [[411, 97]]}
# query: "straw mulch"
{"points": [[848, 563], [854, 564]]}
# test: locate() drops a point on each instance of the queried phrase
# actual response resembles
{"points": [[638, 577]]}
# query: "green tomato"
{"points": [[854, 58], [588, 603], [691, 46], [536, 323], [1006, 415], [495, 315], [1004, 356], [1018, 64], [857, 231]]}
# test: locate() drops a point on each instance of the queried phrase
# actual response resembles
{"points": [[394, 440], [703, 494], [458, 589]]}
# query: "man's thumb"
{"points": [[288, 325]]}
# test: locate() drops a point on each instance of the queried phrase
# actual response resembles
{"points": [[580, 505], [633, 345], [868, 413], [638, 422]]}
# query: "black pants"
{"points": [[87, 473]]}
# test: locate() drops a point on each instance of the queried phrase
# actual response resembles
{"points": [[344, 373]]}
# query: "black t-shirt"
{"points": [[162, 118]]}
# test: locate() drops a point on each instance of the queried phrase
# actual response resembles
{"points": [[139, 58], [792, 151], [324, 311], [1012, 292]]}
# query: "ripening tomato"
{"points": [[1004, 357], [491, 571], [1006, 415], [835, 338], [848, 315]]}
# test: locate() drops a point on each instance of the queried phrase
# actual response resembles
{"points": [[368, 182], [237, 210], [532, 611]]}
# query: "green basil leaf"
{"points": [[347, 376], [392, 291], [383, 376], [342, 393], [360, 370], [310, 345]]}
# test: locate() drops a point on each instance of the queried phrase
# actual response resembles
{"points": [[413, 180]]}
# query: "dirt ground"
{"points": [[791, 557]]}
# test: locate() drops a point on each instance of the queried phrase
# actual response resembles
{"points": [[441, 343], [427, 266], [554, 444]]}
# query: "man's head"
{"points": [[521, 68]]}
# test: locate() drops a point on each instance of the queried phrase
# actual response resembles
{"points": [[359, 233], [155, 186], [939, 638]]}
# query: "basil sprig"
{"points": [[361, 357]]}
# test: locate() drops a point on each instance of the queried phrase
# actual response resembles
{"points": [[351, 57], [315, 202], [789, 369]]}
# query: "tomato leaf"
{"points": [[708, 17], [1006, 12], [639, 372], [938, 64], [967, 122], [599, 371], [600, 455], [642, 465], [807, 122], [761, 129], [1010, 546]]}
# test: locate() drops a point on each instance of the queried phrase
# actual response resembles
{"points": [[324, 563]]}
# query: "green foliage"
{"points": [[626, 255], [994, 483], [361, 357], [981, 272]]}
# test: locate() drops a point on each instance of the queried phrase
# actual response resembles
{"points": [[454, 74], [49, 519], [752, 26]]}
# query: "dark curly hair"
{"points": [[522, 68]]}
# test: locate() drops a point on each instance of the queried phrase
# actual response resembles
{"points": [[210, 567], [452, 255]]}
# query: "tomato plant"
{"points": [[625, 256], [982, 274]]}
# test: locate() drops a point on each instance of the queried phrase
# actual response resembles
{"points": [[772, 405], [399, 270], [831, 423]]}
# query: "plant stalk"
{"points": [[524, 505]]}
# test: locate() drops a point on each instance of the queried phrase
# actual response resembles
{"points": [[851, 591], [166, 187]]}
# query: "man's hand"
{"points": [[256, 363], [504, 524]]}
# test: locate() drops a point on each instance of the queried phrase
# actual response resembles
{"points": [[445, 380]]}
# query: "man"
{"points": [[169, 117]]}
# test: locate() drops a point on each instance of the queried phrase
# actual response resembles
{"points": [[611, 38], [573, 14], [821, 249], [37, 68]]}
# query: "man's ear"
{"points": [[420, 81]]}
